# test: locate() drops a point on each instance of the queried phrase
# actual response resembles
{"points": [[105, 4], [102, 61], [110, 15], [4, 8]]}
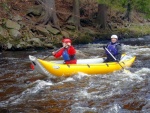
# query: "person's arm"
{"points": [[118, 56], [58, 53], [105, 46], [71, 50]]}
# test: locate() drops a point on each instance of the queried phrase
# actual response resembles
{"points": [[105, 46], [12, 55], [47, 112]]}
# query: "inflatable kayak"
{"points": [[87, 66]]}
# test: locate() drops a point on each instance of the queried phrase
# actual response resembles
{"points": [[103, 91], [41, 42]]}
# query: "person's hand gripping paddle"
{"points": [[126, 71], [32, 66]]}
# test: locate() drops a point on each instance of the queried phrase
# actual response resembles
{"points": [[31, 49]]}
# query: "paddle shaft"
{"points": [[113, 57], [55, 53]]}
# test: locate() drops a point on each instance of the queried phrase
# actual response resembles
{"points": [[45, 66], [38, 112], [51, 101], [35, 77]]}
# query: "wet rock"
{"points": [[1, 29], [42, 30], [64, 33], [19, 46], [70, 20], [17, 18], [52, 30], [35, 10], [15, 33], [70, 27], [89, 31], [12, 25], [49, 45], [9, 45], [36, 42], [22, 44], [28, 34], [3, 32]]}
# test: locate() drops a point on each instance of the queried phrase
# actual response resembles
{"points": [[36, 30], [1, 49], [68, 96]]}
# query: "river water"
{"points": [[25, 91]]}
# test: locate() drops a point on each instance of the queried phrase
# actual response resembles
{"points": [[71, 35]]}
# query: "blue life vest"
{"points": [[65, 55], [112, 48]]}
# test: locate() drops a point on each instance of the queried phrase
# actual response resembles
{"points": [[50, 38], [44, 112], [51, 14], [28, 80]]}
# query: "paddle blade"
{"points": [[32, 66]]}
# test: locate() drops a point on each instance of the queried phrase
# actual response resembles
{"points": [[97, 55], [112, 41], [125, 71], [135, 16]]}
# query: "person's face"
{"points": [[113, 40], [64, 44]]}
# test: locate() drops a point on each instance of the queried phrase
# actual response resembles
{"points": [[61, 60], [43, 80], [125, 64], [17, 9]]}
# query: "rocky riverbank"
{"points": [[19, 28]]}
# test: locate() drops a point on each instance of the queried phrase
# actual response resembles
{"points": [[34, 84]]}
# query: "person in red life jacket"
{"points": [[114, 48], [67, 52]]}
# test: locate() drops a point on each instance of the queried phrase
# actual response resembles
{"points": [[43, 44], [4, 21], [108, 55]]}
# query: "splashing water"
{"points": [[23, 90]]}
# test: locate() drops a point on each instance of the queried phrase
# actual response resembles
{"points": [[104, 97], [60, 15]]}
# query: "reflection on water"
{"points": [[25, 91]]}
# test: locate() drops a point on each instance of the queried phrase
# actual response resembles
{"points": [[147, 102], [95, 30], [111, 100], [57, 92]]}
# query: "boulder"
{"points": [[9, 45], [14, 33], [89, 31], [1, 31], [70, 27], [42, 30], [17, 18], [70, 20], [12, 25], [52, 30], [35, 10], [49, 45], [64, 33], [35, 41], [19, 46], [22, 44]]}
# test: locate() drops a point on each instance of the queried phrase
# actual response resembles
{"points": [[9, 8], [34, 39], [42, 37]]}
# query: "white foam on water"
{"points": [[138, 75], [83, 94], [82, 109], [40, 84], [114, 108], [132, 77], [28, 92], [107, 94], [68, 79], [143, 71], [136, 50], [80, 75], [79, 108], [146, 108]]}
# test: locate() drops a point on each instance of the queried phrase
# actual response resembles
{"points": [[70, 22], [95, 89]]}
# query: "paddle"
{"points": [[117, 60], [51, 53]]}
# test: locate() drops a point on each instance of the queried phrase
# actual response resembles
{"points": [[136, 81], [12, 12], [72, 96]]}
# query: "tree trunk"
{"points": [[128, 12], [102, 15], [49, 15], [76, 13]]}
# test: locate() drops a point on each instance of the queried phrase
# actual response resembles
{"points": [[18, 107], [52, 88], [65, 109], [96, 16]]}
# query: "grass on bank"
{"points": [[135, 30]]}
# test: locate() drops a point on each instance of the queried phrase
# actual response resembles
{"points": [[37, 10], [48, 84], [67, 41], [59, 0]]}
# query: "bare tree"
{"points": [[76, 13], [128, 11], [102, 15], [49, 15]]}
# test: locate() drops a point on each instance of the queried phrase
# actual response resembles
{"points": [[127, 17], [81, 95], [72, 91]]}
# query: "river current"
{"points": [[25, 91]]}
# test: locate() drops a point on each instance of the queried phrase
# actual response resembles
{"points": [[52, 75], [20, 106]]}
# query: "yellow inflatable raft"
{"points": [[88, 66]]}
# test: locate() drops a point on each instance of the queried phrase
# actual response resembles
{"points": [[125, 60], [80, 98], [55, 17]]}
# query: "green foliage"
{"points": [[142, 6], [5, 6]]}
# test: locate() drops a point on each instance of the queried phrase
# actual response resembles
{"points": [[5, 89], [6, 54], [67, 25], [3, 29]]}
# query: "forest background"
{"points": [[26, 24]]}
